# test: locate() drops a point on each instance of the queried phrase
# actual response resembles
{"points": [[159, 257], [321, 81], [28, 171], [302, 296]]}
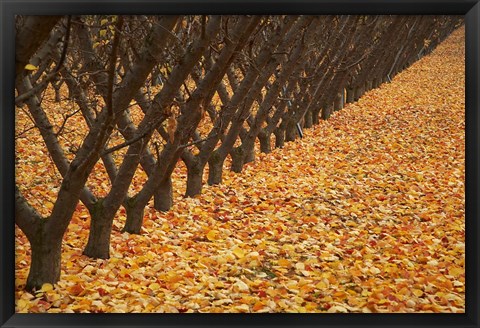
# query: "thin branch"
{"points": [[197, 142], [42, 85], [125, 144], [113, 64], [65, 119]]}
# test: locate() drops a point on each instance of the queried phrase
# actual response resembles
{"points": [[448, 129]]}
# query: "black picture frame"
{"points": [[9, 8]]}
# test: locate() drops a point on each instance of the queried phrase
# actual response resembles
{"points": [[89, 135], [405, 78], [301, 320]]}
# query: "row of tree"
{"points": [[241, 78]]}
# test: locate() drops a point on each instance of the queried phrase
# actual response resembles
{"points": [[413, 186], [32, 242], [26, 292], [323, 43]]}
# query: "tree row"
{"points": [[156, 90]]}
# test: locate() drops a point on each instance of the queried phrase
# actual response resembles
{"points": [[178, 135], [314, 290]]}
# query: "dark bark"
{"points": [[338, 102], [28, 38], [265, 144], [279, 137], [215, 170], [326, 112], [134, 221], [237, 155], [350, 95], [46, 262], [194, 179], [291, 131], [308, 120], [164, 195], [98, 245], [316, 114]]}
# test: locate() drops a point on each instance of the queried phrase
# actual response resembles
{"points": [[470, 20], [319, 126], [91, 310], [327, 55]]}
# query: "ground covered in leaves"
{"points": [[365, 214]]}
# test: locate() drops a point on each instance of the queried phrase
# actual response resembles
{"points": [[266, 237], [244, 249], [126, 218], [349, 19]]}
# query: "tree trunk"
{"points": [[163, 198], [45, 265], [326, 112], [338, 103], [308, 120], [315, 115], [249, 154], [279, 137], [194, 180], [358, 92], [135, 214], [350, 95], [265, 145], [215, 170], [238, 156], [98, 245], [291, 131], [368, 85]]}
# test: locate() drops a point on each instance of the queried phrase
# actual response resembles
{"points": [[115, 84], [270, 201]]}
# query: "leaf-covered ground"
{"points": [[365, 214]]}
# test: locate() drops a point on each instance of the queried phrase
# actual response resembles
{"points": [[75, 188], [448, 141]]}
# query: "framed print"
{"points": [[217, 163]]}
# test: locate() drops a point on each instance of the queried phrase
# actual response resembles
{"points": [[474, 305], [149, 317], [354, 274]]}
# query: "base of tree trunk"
{"points": [[194, 181], [350, 95], [163, 197], [359, 91], [249, 154], [215, 170], [326, 112], [265, 145], [316, 116], [134, 221], [45, 266], [98, 245], [279, 138], [338, 103], [238, 156], [291, 132]]}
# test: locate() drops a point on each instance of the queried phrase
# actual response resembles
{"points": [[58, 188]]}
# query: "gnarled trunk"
{"points": [[163, 197], [238, 156], [279, 137], [215, 170], [308, 120], [135, 214], [291, 131], [194, 180], [316, 115], [98, 245], [338, 103], [45, 265], [326, 112], [265, 145], [249, 154], [350, 95]]}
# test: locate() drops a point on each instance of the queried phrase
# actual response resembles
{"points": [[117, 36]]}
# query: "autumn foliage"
{"points": [[365, 213]]}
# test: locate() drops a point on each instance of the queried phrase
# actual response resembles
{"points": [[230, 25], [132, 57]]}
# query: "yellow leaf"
{"points": [[456, 271], [154, 286], [284, 262], [321, 285], [104, 21], [46, 287], [417, 292], [212, 235], [21, 304], [30, 67], [103, 33], [240, 253]]}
